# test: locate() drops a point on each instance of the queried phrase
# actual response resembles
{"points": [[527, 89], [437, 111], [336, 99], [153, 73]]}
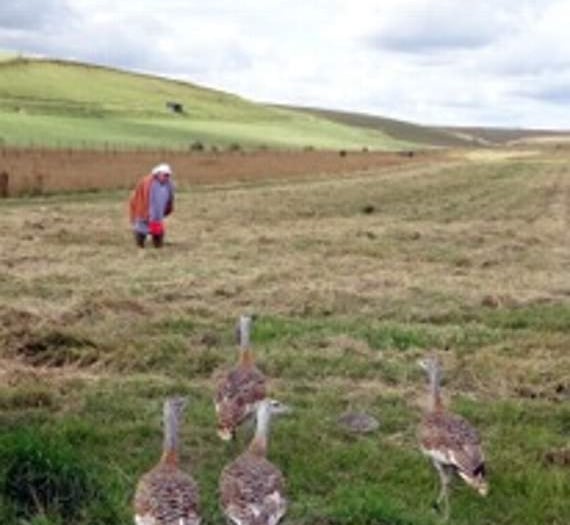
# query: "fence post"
{"points": [[4, 181]]}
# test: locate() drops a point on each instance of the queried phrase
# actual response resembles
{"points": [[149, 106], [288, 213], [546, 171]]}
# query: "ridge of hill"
{"points": [[397, 129], [439, 136], [59, 103]]}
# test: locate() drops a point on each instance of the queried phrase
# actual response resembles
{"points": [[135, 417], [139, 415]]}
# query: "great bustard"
{"points": [[450, 441], [165, 495], [242, 387], [252, 489]]}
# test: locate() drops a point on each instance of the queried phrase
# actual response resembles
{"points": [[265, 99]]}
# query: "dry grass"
{"points": [[353, 279], [38, 171], [441, 242]]}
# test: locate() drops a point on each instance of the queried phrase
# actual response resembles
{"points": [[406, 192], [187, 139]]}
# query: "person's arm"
{"points": [[168, 209]]}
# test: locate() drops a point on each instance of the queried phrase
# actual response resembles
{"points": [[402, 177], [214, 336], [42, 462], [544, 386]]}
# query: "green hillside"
{"points": [[397, 129], [54, 103], [446, 136]]}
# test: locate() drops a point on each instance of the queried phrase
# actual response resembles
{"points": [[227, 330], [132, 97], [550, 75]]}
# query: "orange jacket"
{"points": [[139, 201]]}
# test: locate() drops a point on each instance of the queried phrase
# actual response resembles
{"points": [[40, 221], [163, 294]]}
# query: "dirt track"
{"points": [[44, 171]]}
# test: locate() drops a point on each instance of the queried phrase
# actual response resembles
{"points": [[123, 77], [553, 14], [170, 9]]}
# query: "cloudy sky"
{"points": [[480, 62]]}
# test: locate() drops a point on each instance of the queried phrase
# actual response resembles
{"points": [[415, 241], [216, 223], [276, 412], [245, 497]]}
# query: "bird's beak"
{"points": [[286, 409], [225, 434]]}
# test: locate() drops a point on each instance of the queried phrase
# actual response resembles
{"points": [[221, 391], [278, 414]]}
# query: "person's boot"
{"points": [[158, 241], [139, 239]]}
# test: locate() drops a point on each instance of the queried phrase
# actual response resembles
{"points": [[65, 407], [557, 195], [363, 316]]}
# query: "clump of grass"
{"points": [[553, 317], [44, 480], [58, 348], [27, 396]]}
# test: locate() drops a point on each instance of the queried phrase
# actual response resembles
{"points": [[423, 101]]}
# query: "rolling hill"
{"points": [[507, 135], [397, 129], [448, 136], [60, 103]]}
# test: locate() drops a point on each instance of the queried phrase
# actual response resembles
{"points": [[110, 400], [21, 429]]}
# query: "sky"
{"points": [[441, 62]]}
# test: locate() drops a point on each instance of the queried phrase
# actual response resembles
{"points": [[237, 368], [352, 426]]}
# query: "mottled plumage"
{"points": [[451, 442], [252, 489], [455, 442], [241, 389], [165, 495]]}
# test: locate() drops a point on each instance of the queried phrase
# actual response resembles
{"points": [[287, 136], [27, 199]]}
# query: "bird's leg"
{"points": [[443, 493]]}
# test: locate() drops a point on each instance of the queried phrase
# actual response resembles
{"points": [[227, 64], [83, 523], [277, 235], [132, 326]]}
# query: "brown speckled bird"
{"points": [[450, 441], [241, 389], [165, 495], [252, 489]]}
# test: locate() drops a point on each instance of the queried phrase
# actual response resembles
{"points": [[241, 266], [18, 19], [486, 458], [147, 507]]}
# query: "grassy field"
{"points": [[353, 279], [55, 103]]}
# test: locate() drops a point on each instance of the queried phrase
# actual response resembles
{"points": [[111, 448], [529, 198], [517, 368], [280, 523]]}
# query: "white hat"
{"points": [[162, 168]]}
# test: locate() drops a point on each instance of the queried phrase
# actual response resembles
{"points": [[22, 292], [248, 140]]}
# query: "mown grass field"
{"points": [[57, 104], [353, 279]]}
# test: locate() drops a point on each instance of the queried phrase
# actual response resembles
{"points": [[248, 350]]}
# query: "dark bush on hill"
{"points": [[197, 146]]}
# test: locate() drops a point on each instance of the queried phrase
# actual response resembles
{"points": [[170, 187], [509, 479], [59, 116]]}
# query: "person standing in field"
{"points": [[151, 201]]}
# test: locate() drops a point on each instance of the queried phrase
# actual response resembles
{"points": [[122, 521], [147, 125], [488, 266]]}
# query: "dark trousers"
{"points": [[157, 240]]}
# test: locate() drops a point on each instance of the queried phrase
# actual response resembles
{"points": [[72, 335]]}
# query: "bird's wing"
{"points": [[167, 496], [252, 491]]}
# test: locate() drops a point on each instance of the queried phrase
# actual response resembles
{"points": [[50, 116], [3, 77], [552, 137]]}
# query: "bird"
{"points": [[252, 489], [450, 441], [241, 388], [165, 495]]}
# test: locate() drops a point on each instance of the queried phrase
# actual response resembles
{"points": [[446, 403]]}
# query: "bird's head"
{"points": [[432, 366], [477, 480]]}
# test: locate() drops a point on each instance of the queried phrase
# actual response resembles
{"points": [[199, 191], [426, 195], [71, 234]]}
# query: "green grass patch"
{"points": [[55, 104], [379, 335], [46, 479]]}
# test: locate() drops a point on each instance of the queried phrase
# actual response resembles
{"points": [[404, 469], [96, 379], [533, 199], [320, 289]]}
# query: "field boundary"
{"points": [[40, 171]]}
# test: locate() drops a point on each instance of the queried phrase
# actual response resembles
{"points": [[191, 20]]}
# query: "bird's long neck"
{"points": [[435, 401], [259, 443], [171, 443], [246, 354], [246, 358]]}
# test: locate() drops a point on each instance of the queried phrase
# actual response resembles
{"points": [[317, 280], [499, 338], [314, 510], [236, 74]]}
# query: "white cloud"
{"points": [[31, 14], [542, 46], [424, 25], [502, 62]]}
